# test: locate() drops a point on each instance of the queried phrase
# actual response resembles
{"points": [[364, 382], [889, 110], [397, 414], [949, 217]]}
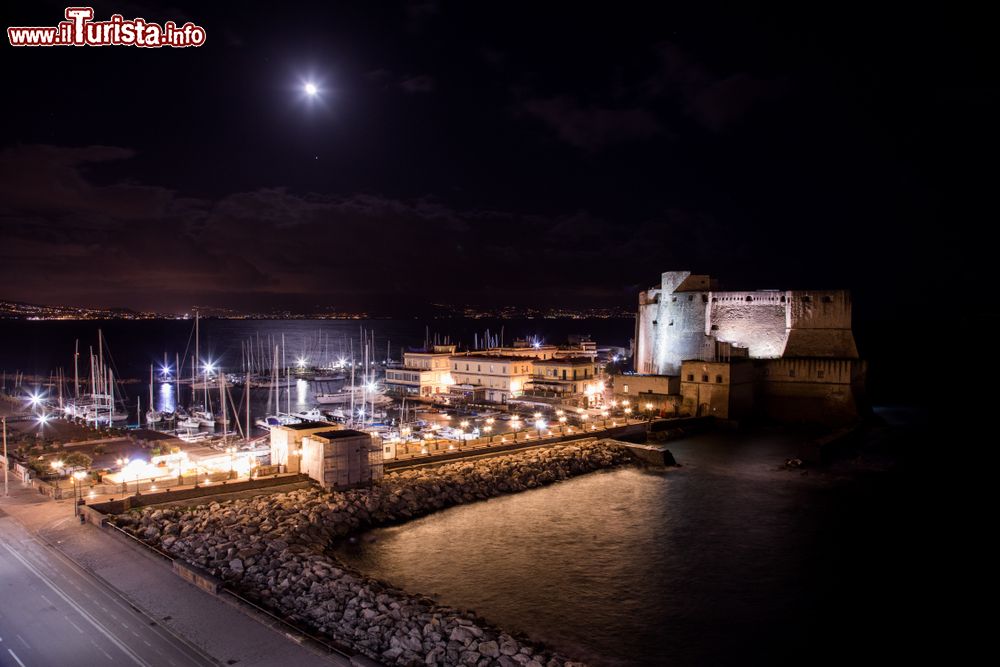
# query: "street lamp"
{"points": [[649, 411], [489, 438], [77, 487], [231, 451], [121, 464]]}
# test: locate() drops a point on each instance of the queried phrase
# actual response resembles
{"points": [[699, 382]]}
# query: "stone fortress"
{"points": [[782, 354]]}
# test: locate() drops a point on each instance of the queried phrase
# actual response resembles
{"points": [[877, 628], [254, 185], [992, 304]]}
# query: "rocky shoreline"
{"points": [[275, 550]]}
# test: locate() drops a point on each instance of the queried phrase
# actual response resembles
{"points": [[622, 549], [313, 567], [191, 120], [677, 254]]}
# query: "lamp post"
{"points": [[649, 411], [231, 451], [6, 461], [121, 464], [464, 424], [78, 486]]}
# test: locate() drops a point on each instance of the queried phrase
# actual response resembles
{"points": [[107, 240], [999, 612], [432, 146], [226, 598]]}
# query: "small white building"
{"points": [[341, 458]]}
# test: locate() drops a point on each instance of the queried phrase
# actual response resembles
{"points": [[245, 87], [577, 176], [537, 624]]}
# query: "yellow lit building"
{"points": [[490, 378], [424, 373]]}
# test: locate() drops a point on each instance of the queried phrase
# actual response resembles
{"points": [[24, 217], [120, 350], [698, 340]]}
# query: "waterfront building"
{"points": [[424, 373], [340, 458], [661, 392], [286, 443], [490, 378], [793, 351], [569, 380]]}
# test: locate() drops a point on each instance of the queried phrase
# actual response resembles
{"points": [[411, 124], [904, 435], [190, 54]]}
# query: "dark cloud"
{"points": [[422, 83], [592, 127], [127, 244]]}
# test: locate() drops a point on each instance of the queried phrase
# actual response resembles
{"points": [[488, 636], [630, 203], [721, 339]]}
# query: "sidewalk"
{"points": [[218, 629]]}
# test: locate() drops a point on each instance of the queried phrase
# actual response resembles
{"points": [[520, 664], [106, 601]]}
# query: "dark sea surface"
{"points": [[728, 560]]}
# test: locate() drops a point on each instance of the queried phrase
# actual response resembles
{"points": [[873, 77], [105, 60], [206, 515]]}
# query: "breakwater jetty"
{"points": [[274, 550]]}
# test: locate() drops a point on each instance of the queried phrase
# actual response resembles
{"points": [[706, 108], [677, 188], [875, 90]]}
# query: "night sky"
{"points": [[501, 152]]}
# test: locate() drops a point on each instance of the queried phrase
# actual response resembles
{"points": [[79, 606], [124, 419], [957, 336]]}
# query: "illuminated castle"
{"points": [[794, 349]]}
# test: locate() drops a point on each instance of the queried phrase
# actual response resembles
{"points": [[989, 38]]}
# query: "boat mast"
{"points": [[197, 356], [76, 371], [222, 397], [177, 381]]}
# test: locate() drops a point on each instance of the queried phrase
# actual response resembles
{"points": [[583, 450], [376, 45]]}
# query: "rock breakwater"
{"points": [[274, 550]]}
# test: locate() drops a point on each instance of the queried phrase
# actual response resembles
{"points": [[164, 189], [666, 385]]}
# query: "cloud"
{"points": [[592, 127], [422, 83], [67, 239]]}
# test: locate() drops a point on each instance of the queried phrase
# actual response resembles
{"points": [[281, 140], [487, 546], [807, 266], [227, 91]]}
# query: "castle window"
{"points": [[671, 323], [624, 388], [791, 372], [715, 299], [690, 297], [715, 327], [674, 299], [704, 378], [704, 298], [827, 299], [718, 379], [821, 374], [782, 298], [690, 377], [749, 299], [806, 299]]}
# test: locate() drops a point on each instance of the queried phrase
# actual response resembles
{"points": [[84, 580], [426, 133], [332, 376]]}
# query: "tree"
{"points": [[77, 460]]}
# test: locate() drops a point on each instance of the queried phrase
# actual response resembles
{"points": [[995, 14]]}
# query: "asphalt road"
{"points": [[52, 613]]}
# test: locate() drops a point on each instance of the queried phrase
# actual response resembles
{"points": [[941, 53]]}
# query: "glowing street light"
{"points": [[35, 399], [310, 89], [301, 362], [43, 419]]}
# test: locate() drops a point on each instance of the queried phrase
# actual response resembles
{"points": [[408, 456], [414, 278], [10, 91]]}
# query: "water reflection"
{"points": [[167, 400], [723, 561], [301, 393]]}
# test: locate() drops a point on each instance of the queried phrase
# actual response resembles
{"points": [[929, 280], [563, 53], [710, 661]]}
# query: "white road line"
{"points": [[80, 610], [14, 655], [48, 601], [73, 624], [26, 644], [143, 641]]}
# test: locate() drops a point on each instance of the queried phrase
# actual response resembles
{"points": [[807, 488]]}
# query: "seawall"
{"points": [[274, 551]]}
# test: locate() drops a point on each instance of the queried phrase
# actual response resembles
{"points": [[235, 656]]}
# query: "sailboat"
{"points": [[204, 416], [152, 416]]}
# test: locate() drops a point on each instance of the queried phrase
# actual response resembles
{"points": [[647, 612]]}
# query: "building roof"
{"points": [[341, 433], [305, 426]]}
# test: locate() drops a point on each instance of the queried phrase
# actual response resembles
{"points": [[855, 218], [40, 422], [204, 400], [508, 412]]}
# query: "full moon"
{"points": [[311, 89]]}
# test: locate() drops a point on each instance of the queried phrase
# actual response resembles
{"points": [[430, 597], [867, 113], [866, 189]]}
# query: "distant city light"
{"points": [[209, 366], [34, 400], [311, 89], [43, 419], [301, 362]]}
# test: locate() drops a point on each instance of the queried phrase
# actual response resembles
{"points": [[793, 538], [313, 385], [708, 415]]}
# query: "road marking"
{"points": [[143, 641], [26, 644], [14, 655], [48, 601], [73, 624], [80, 610]]}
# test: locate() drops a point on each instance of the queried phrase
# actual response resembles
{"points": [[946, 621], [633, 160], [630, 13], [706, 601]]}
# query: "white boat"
{"points": [[204, 417], [311, 415], [270, 421], [152, 415], [188, 422]]}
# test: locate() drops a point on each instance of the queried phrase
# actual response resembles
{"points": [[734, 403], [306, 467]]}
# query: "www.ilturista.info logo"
{"points": [[79, 29]]}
